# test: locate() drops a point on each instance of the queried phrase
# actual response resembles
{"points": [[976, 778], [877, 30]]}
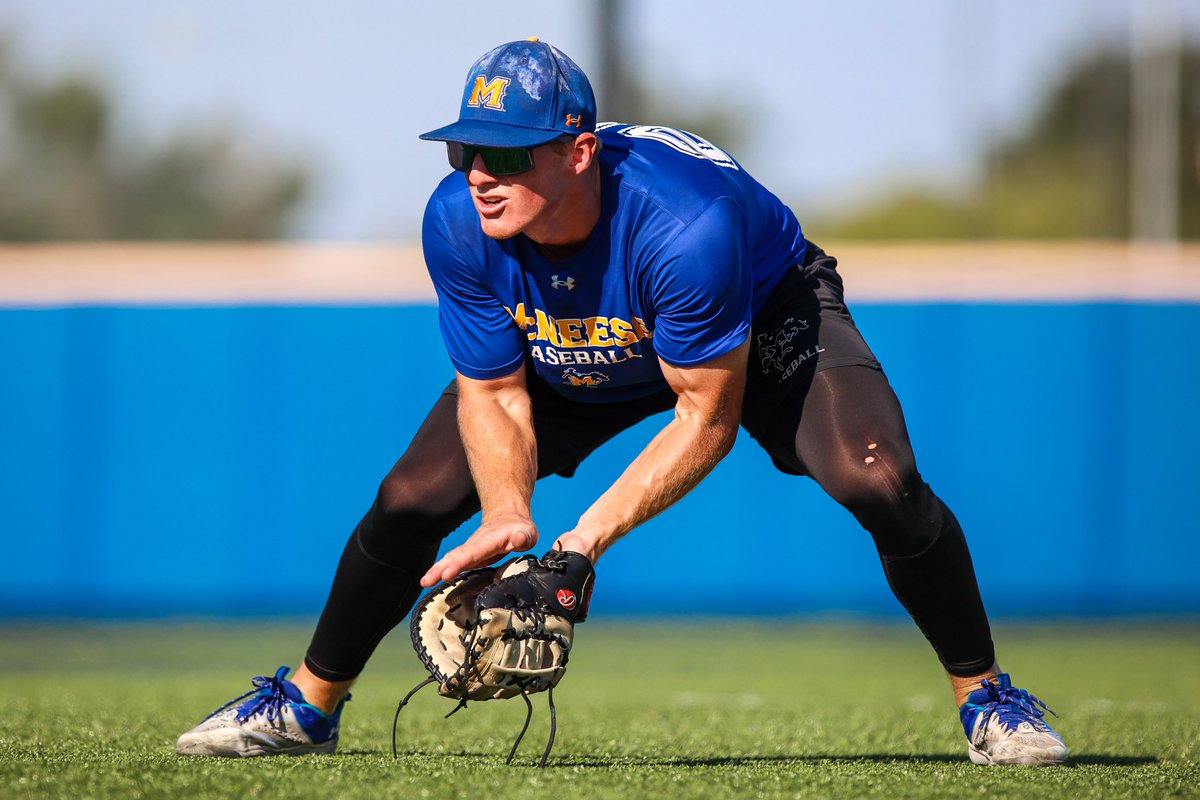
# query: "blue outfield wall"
{"points": [[160, 461]]}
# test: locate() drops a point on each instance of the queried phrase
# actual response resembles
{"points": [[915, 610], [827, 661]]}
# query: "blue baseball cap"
{"points": [[521, 94]]}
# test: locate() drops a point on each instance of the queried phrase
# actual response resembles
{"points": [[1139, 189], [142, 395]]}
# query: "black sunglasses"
{"points": [[497, 160]]}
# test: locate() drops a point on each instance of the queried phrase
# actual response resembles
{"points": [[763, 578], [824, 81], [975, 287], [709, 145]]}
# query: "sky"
{"points": [[839, 100]]}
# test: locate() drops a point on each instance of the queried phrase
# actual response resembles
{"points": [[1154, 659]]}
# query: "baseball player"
{"points": [[588, 276]]}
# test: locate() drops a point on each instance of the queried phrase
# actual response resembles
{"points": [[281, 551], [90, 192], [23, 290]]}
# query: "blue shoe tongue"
{"points": [[291, 691], [981, 695]]}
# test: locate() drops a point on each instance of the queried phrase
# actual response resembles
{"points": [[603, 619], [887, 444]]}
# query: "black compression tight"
{"points": [[425, 496], [851, 438]]}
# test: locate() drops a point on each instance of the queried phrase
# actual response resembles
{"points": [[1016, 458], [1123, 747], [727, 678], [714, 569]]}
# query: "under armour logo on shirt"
{"points": [[555, 283]]}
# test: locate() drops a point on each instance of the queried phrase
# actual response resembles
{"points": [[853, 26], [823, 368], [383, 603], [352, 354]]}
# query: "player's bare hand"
{"points": [[494, 538]]}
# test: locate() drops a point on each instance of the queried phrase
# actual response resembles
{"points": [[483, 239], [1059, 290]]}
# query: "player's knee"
{"points": [[411, 489], [412, 513], [887, 495], [873, 481]]}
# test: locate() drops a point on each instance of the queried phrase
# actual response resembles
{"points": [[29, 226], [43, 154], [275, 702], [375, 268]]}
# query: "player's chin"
{"points": [[496, 227]]}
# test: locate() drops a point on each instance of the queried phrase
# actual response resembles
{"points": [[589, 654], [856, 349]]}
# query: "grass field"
{"points": [[714, 711]]}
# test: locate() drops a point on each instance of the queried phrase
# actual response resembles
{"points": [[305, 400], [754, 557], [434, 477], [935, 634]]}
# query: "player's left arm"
{"points": [[701, 290], [702, 431]]}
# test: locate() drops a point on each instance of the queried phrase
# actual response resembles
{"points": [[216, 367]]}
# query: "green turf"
{"points": [[718, 711]]}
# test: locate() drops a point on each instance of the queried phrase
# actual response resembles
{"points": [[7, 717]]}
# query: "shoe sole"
{"points": [[251, 749], [981, 758]]}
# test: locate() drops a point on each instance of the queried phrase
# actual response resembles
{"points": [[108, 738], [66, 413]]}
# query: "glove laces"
{"points": [[462, 703]]}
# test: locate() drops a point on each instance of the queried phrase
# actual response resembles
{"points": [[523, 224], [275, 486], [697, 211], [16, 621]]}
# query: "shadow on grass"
{"points": [[601, 762], [1103, 760], [721, 761]]}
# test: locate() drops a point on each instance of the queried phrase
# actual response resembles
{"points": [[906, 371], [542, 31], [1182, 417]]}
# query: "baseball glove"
{"points": [[503, 631]]}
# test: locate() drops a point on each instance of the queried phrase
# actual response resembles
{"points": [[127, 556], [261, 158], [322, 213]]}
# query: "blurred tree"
{"points": [[1066, 176], [65, 176]]}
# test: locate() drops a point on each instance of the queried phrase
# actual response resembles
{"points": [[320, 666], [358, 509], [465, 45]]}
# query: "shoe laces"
{"points": [[267, 697], [1010, 705]]}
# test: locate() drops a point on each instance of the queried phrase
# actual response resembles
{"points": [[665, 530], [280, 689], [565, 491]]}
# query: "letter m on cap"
{"points": [[489, 94]]}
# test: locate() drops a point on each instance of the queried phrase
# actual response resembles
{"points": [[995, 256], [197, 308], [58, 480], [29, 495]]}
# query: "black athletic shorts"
{"points": [[804, 327]]}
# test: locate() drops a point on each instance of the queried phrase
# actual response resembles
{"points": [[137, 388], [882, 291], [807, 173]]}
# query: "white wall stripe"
{"points": [[61, 275]]}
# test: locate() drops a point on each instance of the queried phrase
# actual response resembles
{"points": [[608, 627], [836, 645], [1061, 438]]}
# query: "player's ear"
{"points": [[584, 151]]}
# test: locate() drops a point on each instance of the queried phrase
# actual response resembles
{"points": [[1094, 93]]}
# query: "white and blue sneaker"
{"points": [[1004, 725], [270, 719]]}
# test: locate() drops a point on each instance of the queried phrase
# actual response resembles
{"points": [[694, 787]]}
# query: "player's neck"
{"points": [[578, 213]]}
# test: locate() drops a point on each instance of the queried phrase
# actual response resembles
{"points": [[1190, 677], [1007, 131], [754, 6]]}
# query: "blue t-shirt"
{"points": [[687, 248]]}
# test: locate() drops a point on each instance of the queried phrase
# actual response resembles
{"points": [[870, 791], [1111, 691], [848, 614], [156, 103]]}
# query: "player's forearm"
{"points": [[669, 467], [707, 414], [497, 432]]}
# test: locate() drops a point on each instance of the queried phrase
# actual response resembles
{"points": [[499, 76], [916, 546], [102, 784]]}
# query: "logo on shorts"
{"points": [[573, 377], [566, 598], [775, 349]]}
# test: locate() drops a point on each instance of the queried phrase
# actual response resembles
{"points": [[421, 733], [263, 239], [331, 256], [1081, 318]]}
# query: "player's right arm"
{"points": [[495, 419], [494, 410]]}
